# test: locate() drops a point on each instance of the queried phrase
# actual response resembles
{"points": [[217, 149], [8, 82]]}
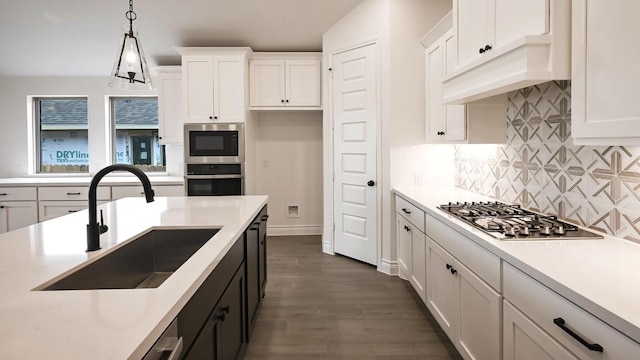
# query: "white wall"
{"points": [[289, 169], [398, 27], [14, 117]]}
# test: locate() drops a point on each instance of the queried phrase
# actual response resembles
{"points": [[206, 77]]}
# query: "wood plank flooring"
{"points": [[319, 306]]}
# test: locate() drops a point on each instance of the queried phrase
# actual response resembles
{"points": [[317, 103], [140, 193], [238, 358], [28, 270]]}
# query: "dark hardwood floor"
{"points": [[319, 306]]}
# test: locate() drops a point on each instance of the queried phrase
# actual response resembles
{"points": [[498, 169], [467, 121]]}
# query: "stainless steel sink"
{"points": [[145, 262]]}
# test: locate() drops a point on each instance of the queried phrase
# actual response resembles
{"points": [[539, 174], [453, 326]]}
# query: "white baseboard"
{"points": [[388, 267], [289, 230]]}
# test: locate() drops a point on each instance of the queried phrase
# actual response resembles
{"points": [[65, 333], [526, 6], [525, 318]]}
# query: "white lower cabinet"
{"points": [[17, 214], [18, 208], [48, 210], [418, 277], [467, 308], [582, 334], [403, 236], [119, 192], [411, 241], [524, 340]]}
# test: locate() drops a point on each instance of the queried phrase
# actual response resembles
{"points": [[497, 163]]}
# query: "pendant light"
{"points": [[130, 71]]}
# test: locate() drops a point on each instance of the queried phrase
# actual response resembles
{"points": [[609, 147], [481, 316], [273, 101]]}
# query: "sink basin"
{"points": [[145, 262]]}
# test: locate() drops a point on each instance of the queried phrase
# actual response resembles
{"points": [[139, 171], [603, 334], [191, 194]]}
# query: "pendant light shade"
{"points": [[130, 71]]}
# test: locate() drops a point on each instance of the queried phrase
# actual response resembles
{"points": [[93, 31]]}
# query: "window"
{"points": [[136, 143], [62, 135]]}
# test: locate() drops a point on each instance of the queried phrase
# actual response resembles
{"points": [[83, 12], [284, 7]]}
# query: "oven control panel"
{"points": [[214, 169]]}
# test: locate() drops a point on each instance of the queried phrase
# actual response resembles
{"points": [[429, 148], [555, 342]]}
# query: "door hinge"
{"points": [[334, 227]]}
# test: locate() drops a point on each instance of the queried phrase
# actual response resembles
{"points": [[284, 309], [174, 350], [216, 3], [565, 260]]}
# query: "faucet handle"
{"points": [[103, 228]]}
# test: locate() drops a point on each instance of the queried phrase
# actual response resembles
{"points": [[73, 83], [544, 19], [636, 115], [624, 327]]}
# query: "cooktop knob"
{"points": [[545, 230], [524, 231], [509, 231], [559, 230]]}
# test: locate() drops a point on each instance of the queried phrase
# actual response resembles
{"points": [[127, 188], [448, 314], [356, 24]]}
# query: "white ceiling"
{"points": [[81, 37]]}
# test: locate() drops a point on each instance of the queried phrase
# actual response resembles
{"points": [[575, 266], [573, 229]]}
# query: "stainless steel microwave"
{"points": [[212, 143]]}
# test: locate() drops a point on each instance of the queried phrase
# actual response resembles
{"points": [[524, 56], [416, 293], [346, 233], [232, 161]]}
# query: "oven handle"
{"points": [[204, 177]]}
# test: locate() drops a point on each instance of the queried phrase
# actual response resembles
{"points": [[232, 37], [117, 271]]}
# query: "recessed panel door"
{"points": [[355, 119]]}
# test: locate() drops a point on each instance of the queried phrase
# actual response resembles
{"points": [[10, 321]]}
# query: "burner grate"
{"points": [[505, 221]]}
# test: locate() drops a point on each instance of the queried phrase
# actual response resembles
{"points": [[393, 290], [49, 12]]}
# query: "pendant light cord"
{"points": [[131, 15]]}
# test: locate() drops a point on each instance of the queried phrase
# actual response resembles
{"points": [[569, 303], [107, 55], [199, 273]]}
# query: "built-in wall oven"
{"points": [[214, 159]]}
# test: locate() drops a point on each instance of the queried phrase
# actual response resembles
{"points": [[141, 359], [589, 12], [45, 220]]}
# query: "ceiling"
{"points": [[81, 37]]}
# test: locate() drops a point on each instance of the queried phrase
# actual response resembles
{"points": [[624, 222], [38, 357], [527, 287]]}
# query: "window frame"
{"points": [[112, 138], [37, 132]]}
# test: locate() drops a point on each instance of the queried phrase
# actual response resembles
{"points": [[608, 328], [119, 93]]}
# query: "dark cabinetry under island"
{"points": [[217, 321]]}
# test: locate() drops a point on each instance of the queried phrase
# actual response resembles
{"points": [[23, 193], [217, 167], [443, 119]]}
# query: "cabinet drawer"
{"points": [[18, 193], [410, 212], [480, 260], [48, 210], [72, 193], [119, 192], [542, 306]]}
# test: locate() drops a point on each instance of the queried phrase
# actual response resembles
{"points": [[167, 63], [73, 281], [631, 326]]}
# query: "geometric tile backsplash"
{"points": [[540, 168]]}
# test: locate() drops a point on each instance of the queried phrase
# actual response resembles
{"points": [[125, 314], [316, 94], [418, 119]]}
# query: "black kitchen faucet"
{"points": [[93, 228]]}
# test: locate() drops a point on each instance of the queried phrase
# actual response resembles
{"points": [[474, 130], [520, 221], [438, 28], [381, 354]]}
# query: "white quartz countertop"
{"points": [[106, 324], [601, 276], [86, 180]]}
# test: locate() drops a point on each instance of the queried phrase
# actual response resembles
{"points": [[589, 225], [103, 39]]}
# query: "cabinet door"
{"points": [[515, 19], [17, 214], [170, 108], [403, 236], [434, 70], [232, 317], [197, 88], [524, 340], [267, 86], [229, 88], [478, 312], [455, 116], [207, 344], [253, 276], [444, 122], [302, 83], [471, 22], [262, 251], [441, 290], [605, 72], [418, 262]]}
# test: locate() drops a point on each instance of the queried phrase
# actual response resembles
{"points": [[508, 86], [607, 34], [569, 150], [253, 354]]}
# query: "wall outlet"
{"points": [[293, 210], [418, 180]]}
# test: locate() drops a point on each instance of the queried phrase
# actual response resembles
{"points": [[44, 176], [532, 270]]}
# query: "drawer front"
{"points": [[72, 193], [480, 260], [18, 194], [119, 192], [543, 306], [410, 212], [48, 210]]}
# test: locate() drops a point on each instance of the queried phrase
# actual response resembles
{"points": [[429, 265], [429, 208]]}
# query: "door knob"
{"points": [[371, 183]]}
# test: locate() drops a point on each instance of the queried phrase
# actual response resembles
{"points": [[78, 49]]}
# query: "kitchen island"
{"points": [[106, 323]]}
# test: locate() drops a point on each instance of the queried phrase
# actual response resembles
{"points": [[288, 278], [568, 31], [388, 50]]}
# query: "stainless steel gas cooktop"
{"points": [[511, 222]]}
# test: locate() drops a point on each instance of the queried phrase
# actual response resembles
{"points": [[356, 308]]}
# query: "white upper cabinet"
{"points": [[285, 80], [169, 104], [504, 45], [465, 124], [606, 77], [215, 84]]}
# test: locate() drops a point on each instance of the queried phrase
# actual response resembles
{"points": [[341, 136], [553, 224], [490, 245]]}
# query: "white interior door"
{"points": [[355, 121]]}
